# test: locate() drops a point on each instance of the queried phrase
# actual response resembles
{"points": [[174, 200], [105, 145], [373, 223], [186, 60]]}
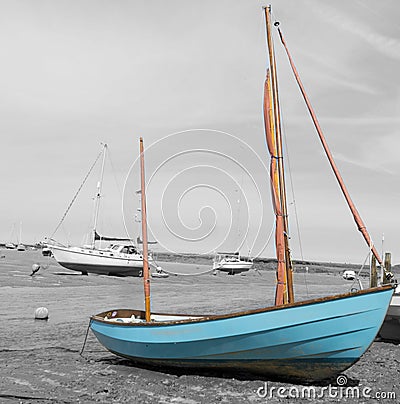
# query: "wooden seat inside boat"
{"points": [[153, 317]]}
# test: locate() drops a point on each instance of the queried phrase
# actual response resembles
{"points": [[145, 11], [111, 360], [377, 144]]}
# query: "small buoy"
{"points": [[35, 268], [41, 313]]}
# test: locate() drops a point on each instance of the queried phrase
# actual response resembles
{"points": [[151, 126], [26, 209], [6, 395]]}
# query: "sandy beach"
{"points": [[41, 361]]}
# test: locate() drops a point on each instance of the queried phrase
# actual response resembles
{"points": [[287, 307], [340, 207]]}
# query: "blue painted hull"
{"points": [[308, 341]]}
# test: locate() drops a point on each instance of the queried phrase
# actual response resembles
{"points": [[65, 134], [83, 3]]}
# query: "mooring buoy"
{"points": [[35, 268], [41, 313]]}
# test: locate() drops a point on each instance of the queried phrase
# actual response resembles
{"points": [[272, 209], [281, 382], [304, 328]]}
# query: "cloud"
{"points": [[335, 76], [367, 164], [383, 44]]}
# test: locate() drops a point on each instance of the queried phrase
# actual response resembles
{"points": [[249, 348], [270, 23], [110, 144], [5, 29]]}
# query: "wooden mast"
{"points": [[281, 290], [288, 296], [146, 277]]}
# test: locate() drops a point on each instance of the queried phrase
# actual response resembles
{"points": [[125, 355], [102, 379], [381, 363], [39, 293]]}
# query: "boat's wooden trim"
{"points": [[126, 313]]}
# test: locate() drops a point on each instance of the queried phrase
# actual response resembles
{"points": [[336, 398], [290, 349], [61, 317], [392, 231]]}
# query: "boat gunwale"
{"points": [[212, 317]]}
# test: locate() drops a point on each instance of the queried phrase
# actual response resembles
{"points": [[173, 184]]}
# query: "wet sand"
{"points": [[40, 360]]}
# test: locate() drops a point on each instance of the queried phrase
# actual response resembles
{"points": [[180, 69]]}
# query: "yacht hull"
{"points": [[100, 262]]}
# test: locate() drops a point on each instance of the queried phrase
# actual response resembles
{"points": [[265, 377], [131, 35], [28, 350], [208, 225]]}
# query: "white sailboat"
{"points": [[121, 258], [10, 245], [20, 246], [232, 263]]}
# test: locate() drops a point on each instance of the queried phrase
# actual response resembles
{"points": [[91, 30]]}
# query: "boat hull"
{"points": [[305, 341], [234, 267], [100, 262], [391, 326]]}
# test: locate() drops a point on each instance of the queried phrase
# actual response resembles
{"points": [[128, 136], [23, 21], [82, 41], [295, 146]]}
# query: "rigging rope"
{"points": [[356, 216], [357, 279], [86, 336], [160, 269], [76, 194], [186, 274], [294, 199], [114, 171], [103, 218]]}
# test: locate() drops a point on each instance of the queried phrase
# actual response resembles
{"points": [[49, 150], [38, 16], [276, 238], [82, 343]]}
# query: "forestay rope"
{"points": [[76, 194], [356, 216]]}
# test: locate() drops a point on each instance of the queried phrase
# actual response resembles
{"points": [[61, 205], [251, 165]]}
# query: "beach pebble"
{"points": [[107, 372], [41, 313]]}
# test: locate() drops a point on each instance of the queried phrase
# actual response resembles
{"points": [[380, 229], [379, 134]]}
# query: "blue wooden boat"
{"points": [[307, 341], [310, 340]]}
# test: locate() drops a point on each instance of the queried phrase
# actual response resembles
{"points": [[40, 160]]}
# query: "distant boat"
{"points": [[11, 245], [390, 329], [46, 252], [307, 341], [159, 273], [121, 258], [20, 246], [231, 263], [349, 275], [118, 259]]}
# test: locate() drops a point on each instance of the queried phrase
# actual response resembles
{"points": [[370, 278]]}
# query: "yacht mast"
{"points": [[98, 196]]}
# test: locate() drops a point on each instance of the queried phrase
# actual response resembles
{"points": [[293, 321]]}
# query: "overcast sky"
{"points": [[188, 77]]}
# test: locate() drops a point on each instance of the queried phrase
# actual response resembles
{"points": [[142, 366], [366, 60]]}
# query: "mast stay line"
{"points": [[77, 193], [357, 218]]}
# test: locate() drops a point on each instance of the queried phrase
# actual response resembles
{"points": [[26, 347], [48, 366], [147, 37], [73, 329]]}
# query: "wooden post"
{"points": [[374, 273], [388, 267]]}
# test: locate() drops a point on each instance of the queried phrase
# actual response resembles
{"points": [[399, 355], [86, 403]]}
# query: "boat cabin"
{"points": [[123, 249]]}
